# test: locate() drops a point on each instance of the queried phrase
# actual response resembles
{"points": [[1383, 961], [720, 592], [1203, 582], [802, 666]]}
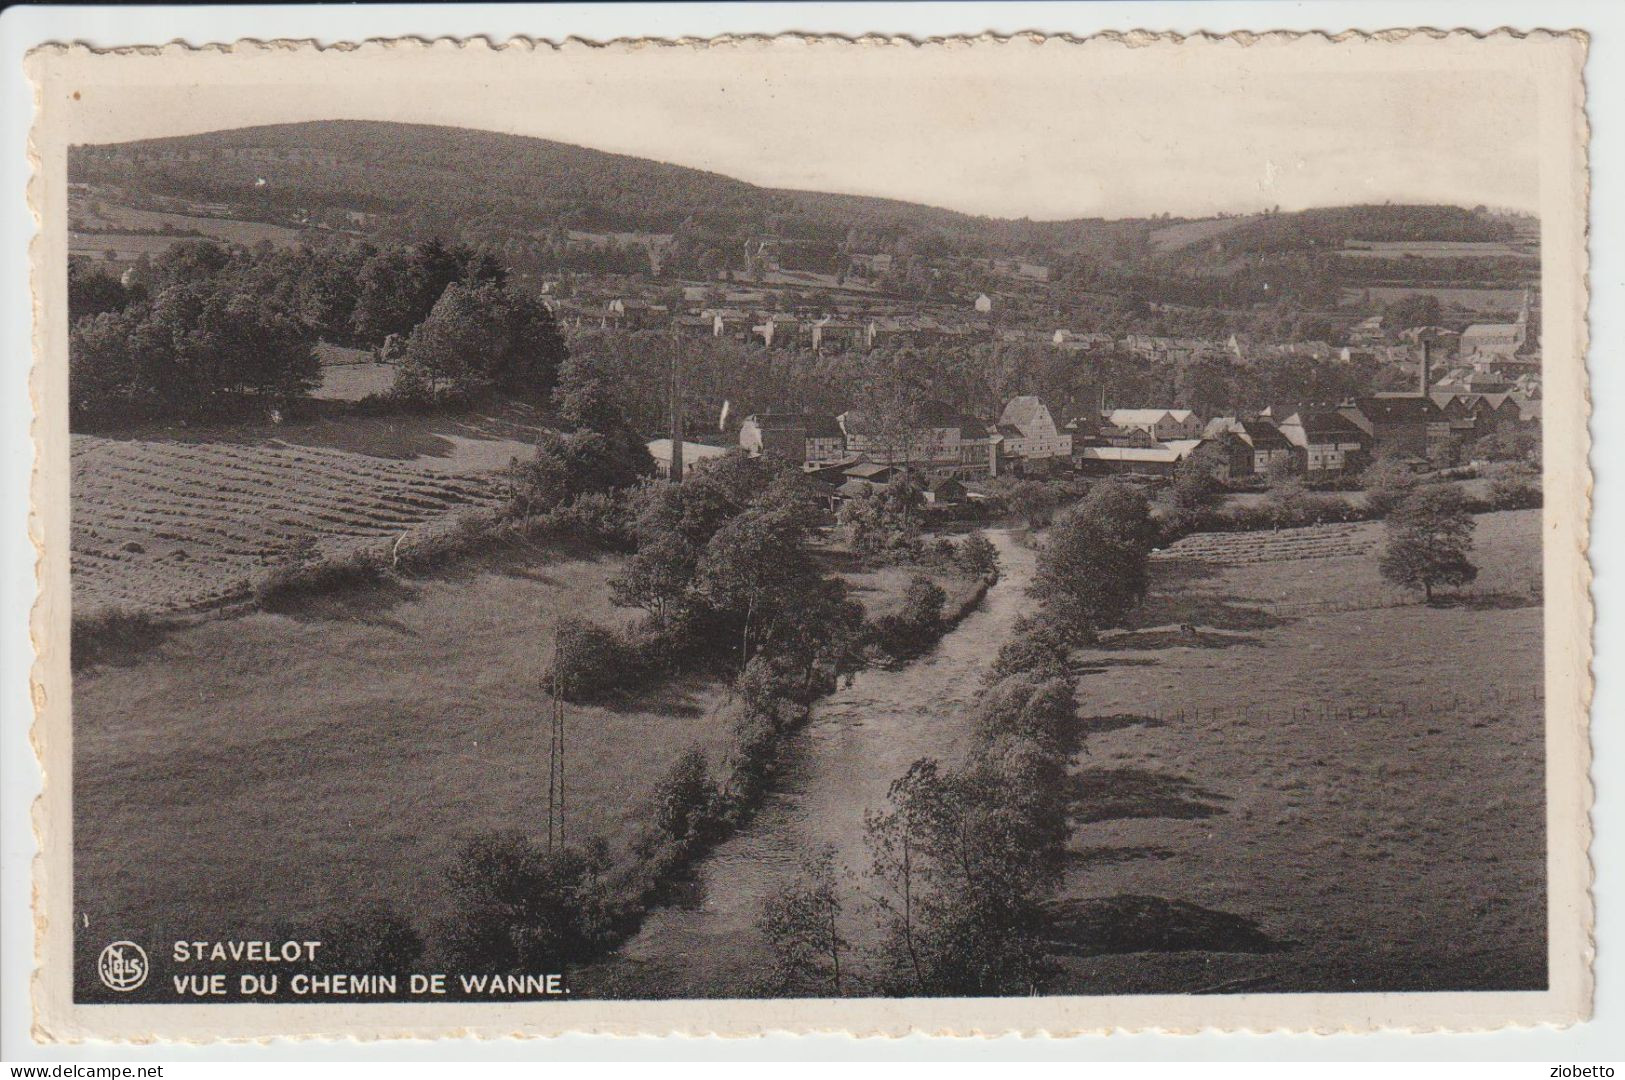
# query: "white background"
{"points": [[20, 28]]}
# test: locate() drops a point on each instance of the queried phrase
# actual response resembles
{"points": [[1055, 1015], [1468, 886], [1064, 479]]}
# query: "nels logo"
{"points": [[122, 966]]}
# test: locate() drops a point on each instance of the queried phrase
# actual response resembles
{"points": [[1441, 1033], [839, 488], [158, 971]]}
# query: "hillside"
{"points": [[414, 180]]}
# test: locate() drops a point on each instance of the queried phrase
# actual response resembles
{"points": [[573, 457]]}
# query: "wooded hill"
{"points": [[420, 180]]}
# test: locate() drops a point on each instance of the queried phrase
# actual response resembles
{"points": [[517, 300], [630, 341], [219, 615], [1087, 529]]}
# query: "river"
{"points": [[857, 741]]}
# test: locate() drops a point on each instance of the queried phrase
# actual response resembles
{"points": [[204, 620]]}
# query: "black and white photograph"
{"points": [[796, 520]]}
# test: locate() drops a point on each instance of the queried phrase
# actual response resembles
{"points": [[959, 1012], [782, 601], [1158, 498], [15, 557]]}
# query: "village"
{"points": [[1480, 387]]}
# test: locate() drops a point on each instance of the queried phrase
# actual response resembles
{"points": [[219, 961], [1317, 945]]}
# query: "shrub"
{"points": [[1028, 707], [1387, 482], [1513, 488], [293, 582], [516, 907], [590, 661], [976, 555], [918, 624], [374, 940], [685, 799], [1037, 647]]}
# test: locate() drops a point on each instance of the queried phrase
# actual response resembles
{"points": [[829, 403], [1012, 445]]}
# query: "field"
{"points": [[1327, 786], [1188, 233], [279, 767], [271, 769], [1479, 300], [161, 526], [1434, 249]]}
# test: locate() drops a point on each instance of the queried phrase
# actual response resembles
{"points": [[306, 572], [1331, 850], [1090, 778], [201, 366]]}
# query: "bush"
{"points": [[1387, 483], [1037, 647], [685, 799], [376, 940], [913, 629], [976, 556], [315, 575], [518, 908], [1028, 707], [598, 518], [590, 661], [1514, 488]]}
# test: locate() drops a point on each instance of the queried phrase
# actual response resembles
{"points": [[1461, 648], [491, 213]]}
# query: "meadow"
{"points": [[276, 768], [1326, 786]]}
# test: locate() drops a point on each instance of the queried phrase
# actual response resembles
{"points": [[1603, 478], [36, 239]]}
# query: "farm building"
{"points": [[1149, 461], [1401, 424], [798, 437], [1163, 425], [1027, 432], [1327, 441], [1250, 446]]}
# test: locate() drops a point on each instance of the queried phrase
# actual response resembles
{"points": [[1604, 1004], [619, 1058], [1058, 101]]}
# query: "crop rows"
{"points": [[1311, 542], [163, 527]]}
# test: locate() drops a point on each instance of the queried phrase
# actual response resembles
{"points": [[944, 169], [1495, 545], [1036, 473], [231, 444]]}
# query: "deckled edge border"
{"points": [[1131, 39]]}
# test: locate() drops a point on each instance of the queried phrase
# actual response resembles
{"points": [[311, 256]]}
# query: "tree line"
{"points": [[208, 330]]}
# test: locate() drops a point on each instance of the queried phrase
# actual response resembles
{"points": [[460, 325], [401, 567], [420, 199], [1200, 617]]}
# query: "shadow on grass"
{"points": [[1212, 612], [1108, 794], [1101, 926], [1170, 639], [114, 639], [1100, 725], [679, 695], [1486, 601], [1089, 858], [367, 604]]}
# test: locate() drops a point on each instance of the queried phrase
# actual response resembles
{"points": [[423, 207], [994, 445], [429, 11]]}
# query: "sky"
{"points": [[1014, 130]]}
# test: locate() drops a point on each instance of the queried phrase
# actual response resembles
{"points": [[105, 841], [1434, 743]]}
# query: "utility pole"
{"points": [[555, 757]]}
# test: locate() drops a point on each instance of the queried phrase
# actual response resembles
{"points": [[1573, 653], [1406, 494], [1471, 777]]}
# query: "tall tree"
{"points": [[1429, 541]]}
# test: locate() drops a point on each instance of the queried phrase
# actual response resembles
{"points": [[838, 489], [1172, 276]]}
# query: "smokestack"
{"points": [[676, 414], [1427, 358]]}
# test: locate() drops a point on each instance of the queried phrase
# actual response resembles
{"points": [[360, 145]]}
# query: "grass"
{"points": [[283, 766], [1344, 781]]}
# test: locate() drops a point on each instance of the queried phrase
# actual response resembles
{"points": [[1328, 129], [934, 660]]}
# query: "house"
{"points": [[1401, 424], [1250, 447], [1163, 425], [693, 454], [1147, 461], [1496, 341], [778, 331], [840, 335], [799, 437], [1028, 433], [1327, 441], [942, 441]]}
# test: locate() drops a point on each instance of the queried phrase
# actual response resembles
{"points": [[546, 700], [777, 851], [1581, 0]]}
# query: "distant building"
{"points": [[1159, 460], [804, 439], [1027, 431], [1162, 425], [693, 454], [1490, 342], [1327, 441], [1401, 424], [1249, 447]]}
